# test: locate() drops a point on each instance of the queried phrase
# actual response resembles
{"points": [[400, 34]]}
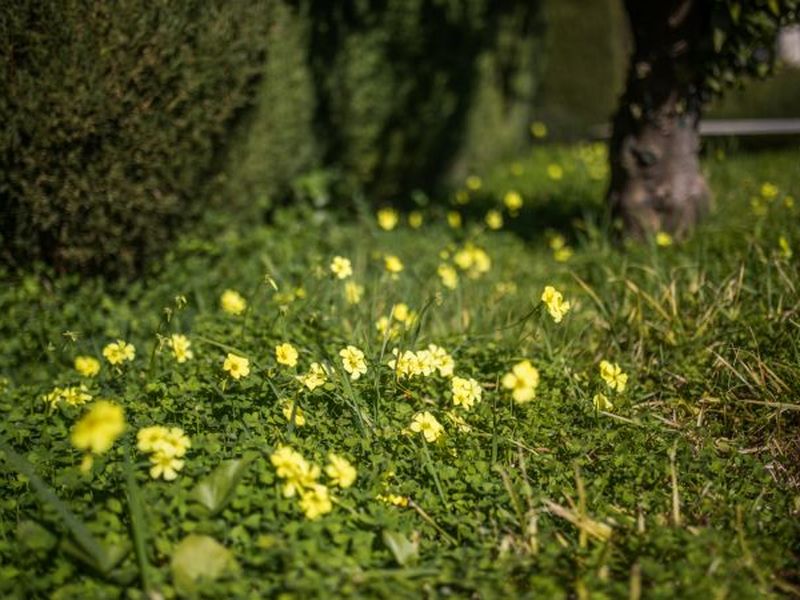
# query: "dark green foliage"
{"points": [[111, 114], [400, 78], [122, 119], [742, 41], [587, 46]]}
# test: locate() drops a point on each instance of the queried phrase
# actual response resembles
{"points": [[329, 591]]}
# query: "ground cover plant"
{"points": [[480, 398]]}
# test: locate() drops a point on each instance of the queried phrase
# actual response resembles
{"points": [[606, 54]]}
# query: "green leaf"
{"points": [[735, 10], [197, 558], [719, 39], [775, 7], [403, 550], [34, 537], [214, 490]]}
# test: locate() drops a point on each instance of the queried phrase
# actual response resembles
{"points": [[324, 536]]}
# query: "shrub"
{"points": [[112, 113]]}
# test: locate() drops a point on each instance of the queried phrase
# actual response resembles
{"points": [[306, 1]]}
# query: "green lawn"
{"points": [[688, 486]]}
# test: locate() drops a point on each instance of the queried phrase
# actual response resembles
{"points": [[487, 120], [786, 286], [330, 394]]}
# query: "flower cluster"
{"points": [[561, 252], [473, 260], [300, 479], [466, 392], [316, 376], [422, 363], [71, 396], [522, 381], [119, 352], [448, 276], [555, 303], [166, 447]]}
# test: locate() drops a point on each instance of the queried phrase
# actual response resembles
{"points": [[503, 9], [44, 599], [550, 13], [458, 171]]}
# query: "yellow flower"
{"points": [[538, 130], [448, 275], [340, 471], [426, 424], [315, 377], [474, 260], [393, 499], [522, 381], [513, 201], [118, 352], [353, 292], [180, 347], [454, 219], [462, 197], [494, 220], [236, 366], [174, 442], [557, 242], [555, 172], [99, 428], [466, 392], [458, 421], [386, 328], [404, 364], [341, 267], [555, 303], [785, 249], [613, 376], [400, 312], [769, 190], [392, 264], [387, 219], [54, 397], [165, 465], [601, 402], [473, 183], [353, 361], [232, 302], [294, 469], [74, 396], [663, 239], [88, 366], [442, 361], [285, 354], [315, 501], [147, 438], [299, 415], [563, 254], [415, 219]]}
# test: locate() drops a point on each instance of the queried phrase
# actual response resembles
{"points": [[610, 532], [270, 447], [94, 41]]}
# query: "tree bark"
{"points": [[656, 181]]}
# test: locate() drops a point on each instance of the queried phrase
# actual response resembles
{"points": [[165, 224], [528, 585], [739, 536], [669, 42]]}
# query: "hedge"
{"points": [[124, 119]]}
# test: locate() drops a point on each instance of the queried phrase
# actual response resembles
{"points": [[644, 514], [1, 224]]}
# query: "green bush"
{"points": [[112, 111], [404, 83], [123, 119]]}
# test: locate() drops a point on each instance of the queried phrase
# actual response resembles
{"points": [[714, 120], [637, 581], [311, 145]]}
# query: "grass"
{"points": [[688, 487]]}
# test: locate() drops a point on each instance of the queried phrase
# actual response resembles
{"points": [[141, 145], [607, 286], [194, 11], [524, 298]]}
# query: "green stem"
{"points": [[434, 473], [138, 525]]}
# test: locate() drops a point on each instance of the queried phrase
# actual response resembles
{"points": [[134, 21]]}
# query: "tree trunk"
{"points": [[656, 182]]}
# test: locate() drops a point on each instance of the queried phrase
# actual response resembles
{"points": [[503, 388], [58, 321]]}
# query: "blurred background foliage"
{"points": [[123, 119]]}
